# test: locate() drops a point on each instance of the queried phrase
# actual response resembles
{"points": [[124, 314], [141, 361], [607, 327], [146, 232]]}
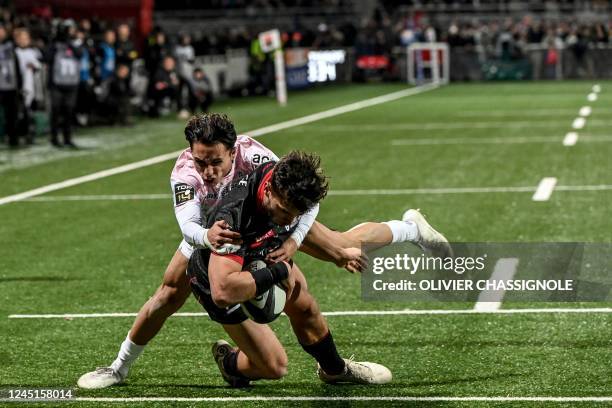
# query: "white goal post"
{"points": [[428, 62]]}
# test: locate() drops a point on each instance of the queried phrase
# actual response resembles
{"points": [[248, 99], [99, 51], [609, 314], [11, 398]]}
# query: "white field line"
{"points": [[517, 112], [578, 123], [585, 111], [258, 132], [491, 300], [391, 127], [342, 109], [102, 197], [570, 139], [491, 140], [405, 312], [340, 193], [545, 189], [348, 398]]}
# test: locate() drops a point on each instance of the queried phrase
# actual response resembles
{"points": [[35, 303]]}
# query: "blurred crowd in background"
{"points": [[80, 72]]}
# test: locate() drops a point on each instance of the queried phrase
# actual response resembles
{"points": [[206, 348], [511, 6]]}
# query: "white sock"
{"points": [[403, 231], [128, 353]]}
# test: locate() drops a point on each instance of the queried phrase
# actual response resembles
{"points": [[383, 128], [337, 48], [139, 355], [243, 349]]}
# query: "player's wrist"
{"points": [[265, 278], [205, 239]]}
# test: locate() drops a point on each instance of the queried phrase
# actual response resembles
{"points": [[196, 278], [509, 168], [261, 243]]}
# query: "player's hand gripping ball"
{"points": [[266, 307]]}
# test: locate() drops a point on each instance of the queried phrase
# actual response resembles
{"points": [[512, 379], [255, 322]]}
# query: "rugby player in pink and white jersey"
{"points": [[203, 173]]}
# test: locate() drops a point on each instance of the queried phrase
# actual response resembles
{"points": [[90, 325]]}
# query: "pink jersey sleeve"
{"points": [[253, 154]]}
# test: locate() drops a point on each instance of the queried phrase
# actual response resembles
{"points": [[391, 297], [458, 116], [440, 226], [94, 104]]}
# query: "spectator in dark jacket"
{"points": [[10, 84], [124, 47], [164, 86], [119, 94]]}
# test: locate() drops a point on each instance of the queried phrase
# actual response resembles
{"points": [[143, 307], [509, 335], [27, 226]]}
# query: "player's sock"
{"points": [[230, 364], [403, 231], [128, 353], [326, 354]]}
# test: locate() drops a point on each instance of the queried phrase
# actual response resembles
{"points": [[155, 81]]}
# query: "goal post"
{"points": [[428, 62]]}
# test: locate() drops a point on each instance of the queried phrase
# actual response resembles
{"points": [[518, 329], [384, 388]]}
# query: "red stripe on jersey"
{"points": [[262, 186], [233, 257]]}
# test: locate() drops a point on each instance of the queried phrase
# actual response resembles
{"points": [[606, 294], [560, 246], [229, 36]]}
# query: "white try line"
{"points": [[255, 133], [405, 312], [494, 140], [393, 127], [491, 300], [545, 189], [322, 398], [338, 193]]}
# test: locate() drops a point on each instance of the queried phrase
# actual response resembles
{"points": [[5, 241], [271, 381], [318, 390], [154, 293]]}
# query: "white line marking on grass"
{"points": [[578, 123], [255, 133], [102, 197], [515, 112], [545, 189], [494, 140], [491, 300], [592, 97], [340, 193], [570, 139], [405, 312], [585, 111], [342, 109], [451, 190], [348, 398], [351, 130], [90, 177], [490, 140]]}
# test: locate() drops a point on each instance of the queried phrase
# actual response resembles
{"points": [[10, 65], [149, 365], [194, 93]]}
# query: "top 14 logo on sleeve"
{"points": [[183, 193]]}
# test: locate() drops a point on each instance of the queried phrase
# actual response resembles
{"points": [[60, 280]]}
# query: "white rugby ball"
{"points": [[266, 307]]}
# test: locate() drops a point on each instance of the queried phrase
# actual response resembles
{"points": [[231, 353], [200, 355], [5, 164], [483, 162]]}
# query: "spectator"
{"points": [[119, 94], [155, 52], [164, 87], [200, 91], [85, 93], [106, 56], [29, 65], [10, 84], [124, 48], [64, 76], [185, 56]]}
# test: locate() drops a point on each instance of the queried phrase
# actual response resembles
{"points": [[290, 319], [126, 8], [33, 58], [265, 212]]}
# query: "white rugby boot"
{"points": [[219, 350], [357, 372], [431, 241], [103, 377]]}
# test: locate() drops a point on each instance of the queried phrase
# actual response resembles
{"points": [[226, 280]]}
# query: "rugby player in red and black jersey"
{"points": [[215, 160], [264, 209]]}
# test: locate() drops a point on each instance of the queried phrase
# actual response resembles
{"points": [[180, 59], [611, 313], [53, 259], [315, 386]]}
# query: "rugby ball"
{"points": [[266, 307]]}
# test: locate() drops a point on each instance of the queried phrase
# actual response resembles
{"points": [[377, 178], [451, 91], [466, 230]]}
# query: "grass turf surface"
{"points": [[108, 256]]}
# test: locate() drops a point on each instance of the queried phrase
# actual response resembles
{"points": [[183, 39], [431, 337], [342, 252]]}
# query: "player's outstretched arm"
{"points": [[229, 284]]}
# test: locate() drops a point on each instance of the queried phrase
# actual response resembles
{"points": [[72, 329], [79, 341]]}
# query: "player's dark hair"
{"points": [[298, 178], [211, 128]]}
